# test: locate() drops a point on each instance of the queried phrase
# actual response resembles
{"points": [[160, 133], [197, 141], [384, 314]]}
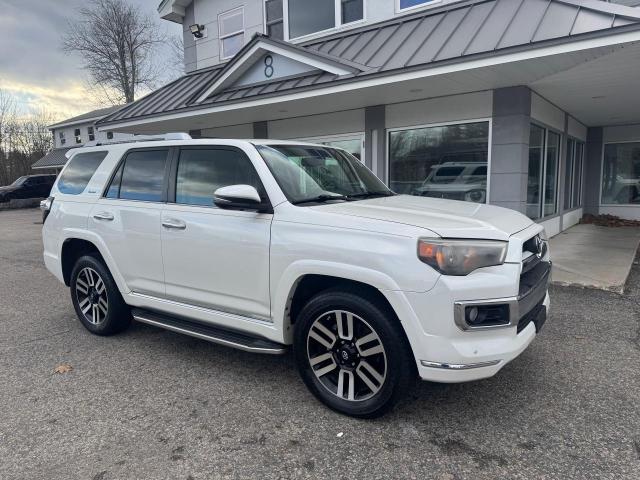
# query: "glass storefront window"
{"points": [[352, 144], [542, 180], [448, 161], [621, 174], [573, 174], [536, 161], [551, 174]]}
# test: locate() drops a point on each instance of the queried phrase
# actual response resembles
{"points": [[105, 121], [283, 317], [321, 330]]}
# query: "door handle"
{"points": [[174, 224], [104, 216]]}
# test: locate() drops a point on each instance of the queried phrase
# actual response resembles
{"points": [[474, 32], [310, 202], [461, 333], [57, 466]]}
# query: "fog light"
{"points": [[487, 315]]}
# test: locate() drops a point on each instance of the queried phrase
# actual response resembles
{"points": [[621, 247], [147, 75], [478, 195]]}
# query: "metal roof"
{"points": [[54, 159], [451, 33], [99, 113]]}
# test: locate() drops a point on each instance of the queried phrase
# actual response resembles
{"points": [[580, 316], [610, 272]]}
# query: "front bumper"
{"points": [[446, 352]]}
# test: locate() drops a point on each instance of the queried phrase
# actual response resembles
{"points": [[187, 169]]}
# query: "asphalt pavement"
{"points": [[150, 404]]}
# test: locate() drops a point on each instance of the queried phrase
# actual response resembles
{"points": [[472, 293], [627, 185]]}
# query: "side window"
{"points": [[143, 175], [114, 188], [202, 171], [76, 176]]}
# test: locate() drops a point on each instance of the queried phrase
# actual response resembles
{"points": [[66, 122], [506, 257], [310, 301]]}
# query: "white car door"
{"points": [[215, 258], [128, 217]]}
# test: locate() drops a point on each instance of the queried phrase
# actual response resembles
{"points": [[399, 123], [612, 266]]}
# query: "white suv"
{"points": [[260, 245]]}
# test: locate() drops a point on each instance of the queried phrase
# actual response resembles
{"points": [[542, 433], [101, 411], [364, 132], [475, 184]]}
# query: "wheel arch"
{"points": [[77, 244]]}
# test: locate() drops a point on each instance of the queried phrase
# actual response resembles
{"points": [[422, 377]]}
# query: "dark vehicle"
{"points": [[29, 186]]}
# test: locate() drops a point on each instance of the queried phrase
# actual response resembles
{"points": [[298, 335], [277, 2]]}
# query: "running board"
{"points": [[221, 336]]}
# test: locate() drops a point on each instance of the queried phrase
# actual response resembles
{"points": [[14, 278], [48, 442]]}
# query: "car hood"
{"points": [[446, 218], [8, 188]]}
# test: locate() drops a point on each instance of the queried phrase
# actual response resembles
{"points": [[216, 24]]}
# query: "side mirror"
{"points": [[239, 197]]}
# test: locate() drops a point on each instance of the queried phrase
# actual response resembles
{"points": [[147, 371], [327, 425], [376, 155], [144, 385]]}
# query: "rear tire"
{"points": [[352, 354], [96, 298]]}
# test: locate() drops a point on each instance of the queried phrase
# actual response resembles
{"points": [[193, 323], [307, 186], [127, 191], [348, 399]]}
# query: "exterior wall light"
{"points": [[197, 30]]}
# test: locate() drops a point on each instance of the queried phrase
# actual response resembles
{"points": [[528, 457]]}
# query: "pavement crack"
{"points": [[454, 447]]}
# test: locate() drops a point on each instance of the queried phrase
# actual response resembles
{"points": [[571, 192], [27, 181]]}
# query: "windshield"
{"points": [[19, 181], [318, 174]]}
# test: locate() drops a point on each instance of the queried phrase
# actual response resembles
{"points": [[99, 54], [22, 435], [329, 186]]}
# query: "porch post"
{"points": [[260, 130], [510, 147], [375, 141], [592, 170]]}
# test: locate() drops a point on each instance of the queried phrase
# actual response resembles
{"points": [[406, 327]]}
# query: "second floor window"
{"points": [[311, 16], [274, 19], [231, 29], [76, 133], [62, 139], [92, 136]]}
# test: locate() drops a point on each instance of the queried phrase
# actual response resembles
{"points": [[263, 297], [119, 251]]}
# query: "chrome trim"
{"points": [[459, 366], [210, 338], [461, 322]]}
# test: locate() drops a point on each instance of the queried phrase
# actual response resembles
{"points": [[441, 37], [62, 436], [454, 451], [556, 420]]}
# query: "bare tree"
{"points": [[116, 42], [23, 138]]}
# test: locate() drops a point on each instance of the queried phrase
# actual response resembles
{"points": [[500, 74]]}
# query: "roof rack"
{"points": [[144, 138]]}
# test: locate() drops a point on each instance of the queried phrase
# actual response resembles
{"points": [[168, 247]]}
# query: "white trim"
{"points": [[222, 38], [399, 77], [427, 4], [261, 47], [488, 120]]}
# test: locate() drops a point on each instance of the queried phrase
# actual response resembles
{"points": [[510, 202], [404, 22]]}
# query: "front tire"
{"points": [[96, 298], [352, 354]]}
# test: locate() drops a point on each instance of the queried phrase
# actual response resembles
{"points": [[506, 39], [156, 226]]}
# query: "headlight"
{"points": [[461, 257]]}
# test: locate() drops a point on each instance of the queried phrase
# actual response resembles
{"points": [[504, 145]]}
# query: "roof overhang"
{"points": [[64, 124], [173, 10], [525, 66]]}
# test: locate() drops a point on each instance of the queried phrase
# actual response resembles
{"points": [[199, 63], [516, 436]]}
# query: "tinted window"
{"points": [[202, 172], [114, 189], [143, 176], [78, 173]]}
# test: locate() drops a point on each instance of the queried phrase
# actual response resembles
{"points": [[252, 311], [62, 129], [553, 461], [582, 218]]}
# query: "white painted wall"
{"points": [[621, 133], [571, 218], [551, 226], [205, 52], [546, 113], [232, 131], [84, 134], [440, 110], [350, 121], [577, 129]]}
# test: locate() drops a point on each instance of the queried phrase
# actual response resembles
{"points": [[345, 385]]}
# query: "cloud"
{"points": [[32, 63]]}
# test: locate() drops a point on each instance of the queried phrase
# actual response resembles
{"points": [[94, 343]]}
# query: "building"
{"points": [[528, 104], [76, 132]]}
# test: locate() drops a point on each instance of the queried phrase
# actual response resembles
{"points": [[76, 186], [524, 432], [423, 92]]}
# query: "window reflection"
{"points": [[621, 174], [445, 162], [201, 172]]}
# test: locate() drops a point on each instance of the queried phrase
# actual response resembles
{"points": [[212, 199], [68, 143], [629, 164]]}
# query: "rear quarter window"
{"points": [[76, 176]]}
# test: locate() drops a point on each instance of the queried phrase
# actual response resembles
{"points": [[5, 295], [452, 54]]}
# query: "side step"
{"points": [[221, 336]]}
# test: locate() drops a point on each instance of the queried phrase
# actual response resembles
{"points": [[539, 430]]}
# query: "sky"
{"points": [[33, 66]]}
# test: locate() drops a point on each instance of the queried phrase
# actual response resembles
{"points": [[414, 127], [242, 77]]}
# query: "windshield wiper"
{"points": [[371, 195], [321, 199]]}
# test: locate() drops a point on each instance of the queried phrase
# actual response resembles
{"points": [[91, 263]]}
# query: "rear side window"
{"points": [[202, 171], [141, 177], [79, 171]]}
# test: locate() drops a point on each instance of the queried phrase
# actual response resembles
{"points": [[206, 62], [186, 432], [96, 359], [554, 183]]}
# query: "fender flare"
{"points": [[88, 236]]}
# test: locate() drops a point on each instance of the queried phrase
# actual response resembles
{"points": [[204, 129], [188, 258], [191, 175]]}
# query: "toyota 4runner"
{"points": [[265, 244]]}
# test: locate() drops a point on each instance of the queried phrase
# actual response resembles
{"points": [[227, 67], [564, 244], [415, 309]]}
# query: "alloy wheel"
{"points": [[346, 355], [92, 296]]}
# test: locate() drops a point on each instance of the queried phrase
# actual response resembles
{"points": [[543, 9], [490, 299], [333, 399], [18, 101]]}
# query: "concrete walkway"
{"points": [[594, 257]]}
